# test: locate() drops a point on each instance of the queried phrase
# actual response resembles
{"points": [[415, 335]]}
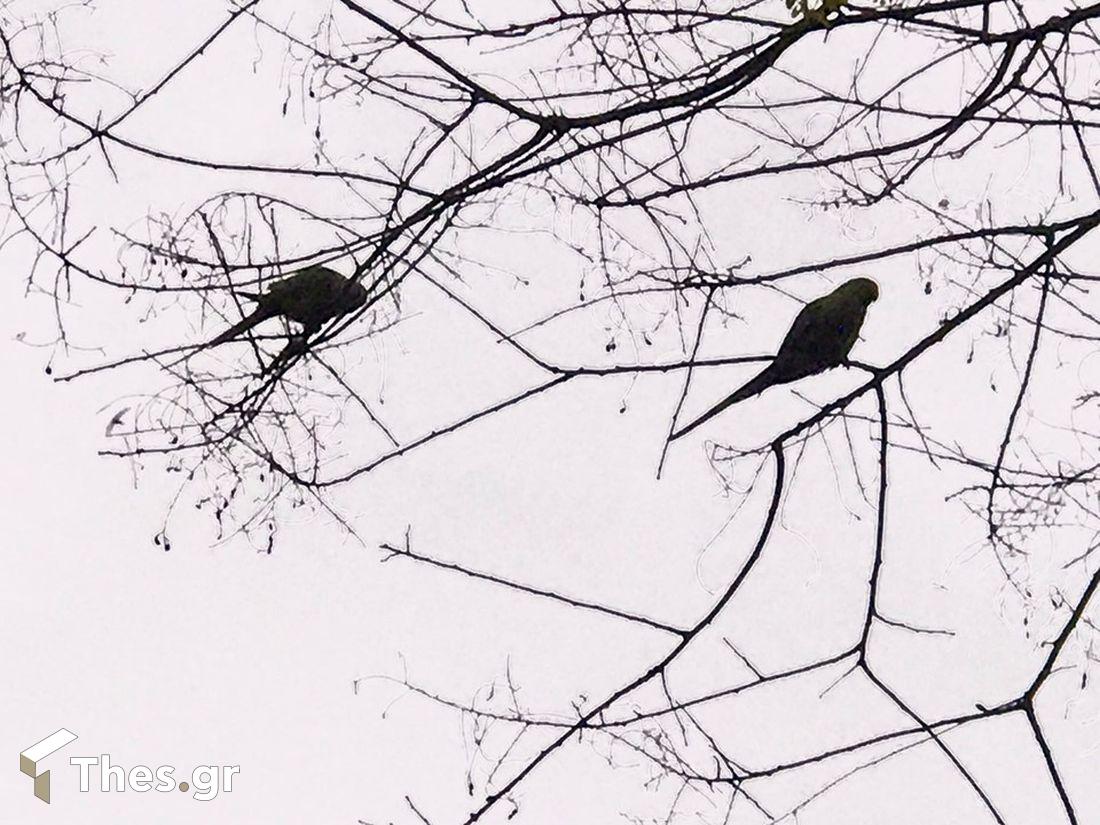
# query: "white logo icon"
{"points": [[29, 759]]}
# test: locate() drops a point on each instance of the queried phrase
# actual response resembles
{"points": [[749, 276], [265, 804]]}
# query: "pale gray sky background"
{"points": [[215, 653]]}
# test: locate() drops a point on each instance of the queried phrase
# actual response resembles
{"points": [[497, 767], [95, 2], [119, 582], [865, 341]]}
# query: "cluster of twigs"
{"points": [[622, 133]]}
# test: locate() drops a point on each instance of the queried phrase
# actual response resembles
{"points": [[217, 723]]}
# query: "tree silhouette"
{"points": [[676, 162]]}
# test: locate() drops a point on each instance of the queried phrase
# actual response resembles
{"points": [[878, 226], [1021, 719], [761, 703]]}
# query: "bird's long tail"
{"points": [[755, 386], [241, 327]]}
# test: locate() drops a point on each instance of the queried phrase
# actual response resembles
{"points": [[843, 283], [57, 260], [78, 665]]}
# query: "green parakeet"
{"points": [[310, 297], [820, 338]]}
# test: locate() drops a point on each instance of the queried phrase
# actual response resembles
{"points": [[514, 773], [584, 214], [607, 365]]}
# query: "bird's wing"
{"points": [[293, 289], [798, 354], [820, 337], [310, 296]]}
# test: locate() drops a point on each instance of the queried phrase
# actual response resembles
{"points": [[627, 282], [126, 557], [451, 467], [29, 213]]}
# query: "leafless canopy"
{"points": [[662, 155]]}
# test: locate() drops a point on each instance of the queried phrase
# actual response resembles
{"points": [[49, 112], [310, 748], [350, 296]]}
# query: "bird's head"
{"points": [[359, 294], [863, 290]]}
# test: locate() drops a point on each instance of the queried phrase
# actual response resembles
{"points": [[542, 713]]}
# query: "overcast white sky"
{"points": [[214, 653]]}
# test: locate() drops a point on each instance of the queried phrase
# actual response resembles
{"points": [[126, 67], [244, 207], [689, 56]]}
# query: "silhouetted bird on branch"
{"points": [[820, 338], [310, 297]]}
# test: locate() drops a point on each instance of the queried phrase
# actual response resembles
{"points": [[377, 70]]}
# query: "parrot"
{"points": [[310, 296], [820, 338]]}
